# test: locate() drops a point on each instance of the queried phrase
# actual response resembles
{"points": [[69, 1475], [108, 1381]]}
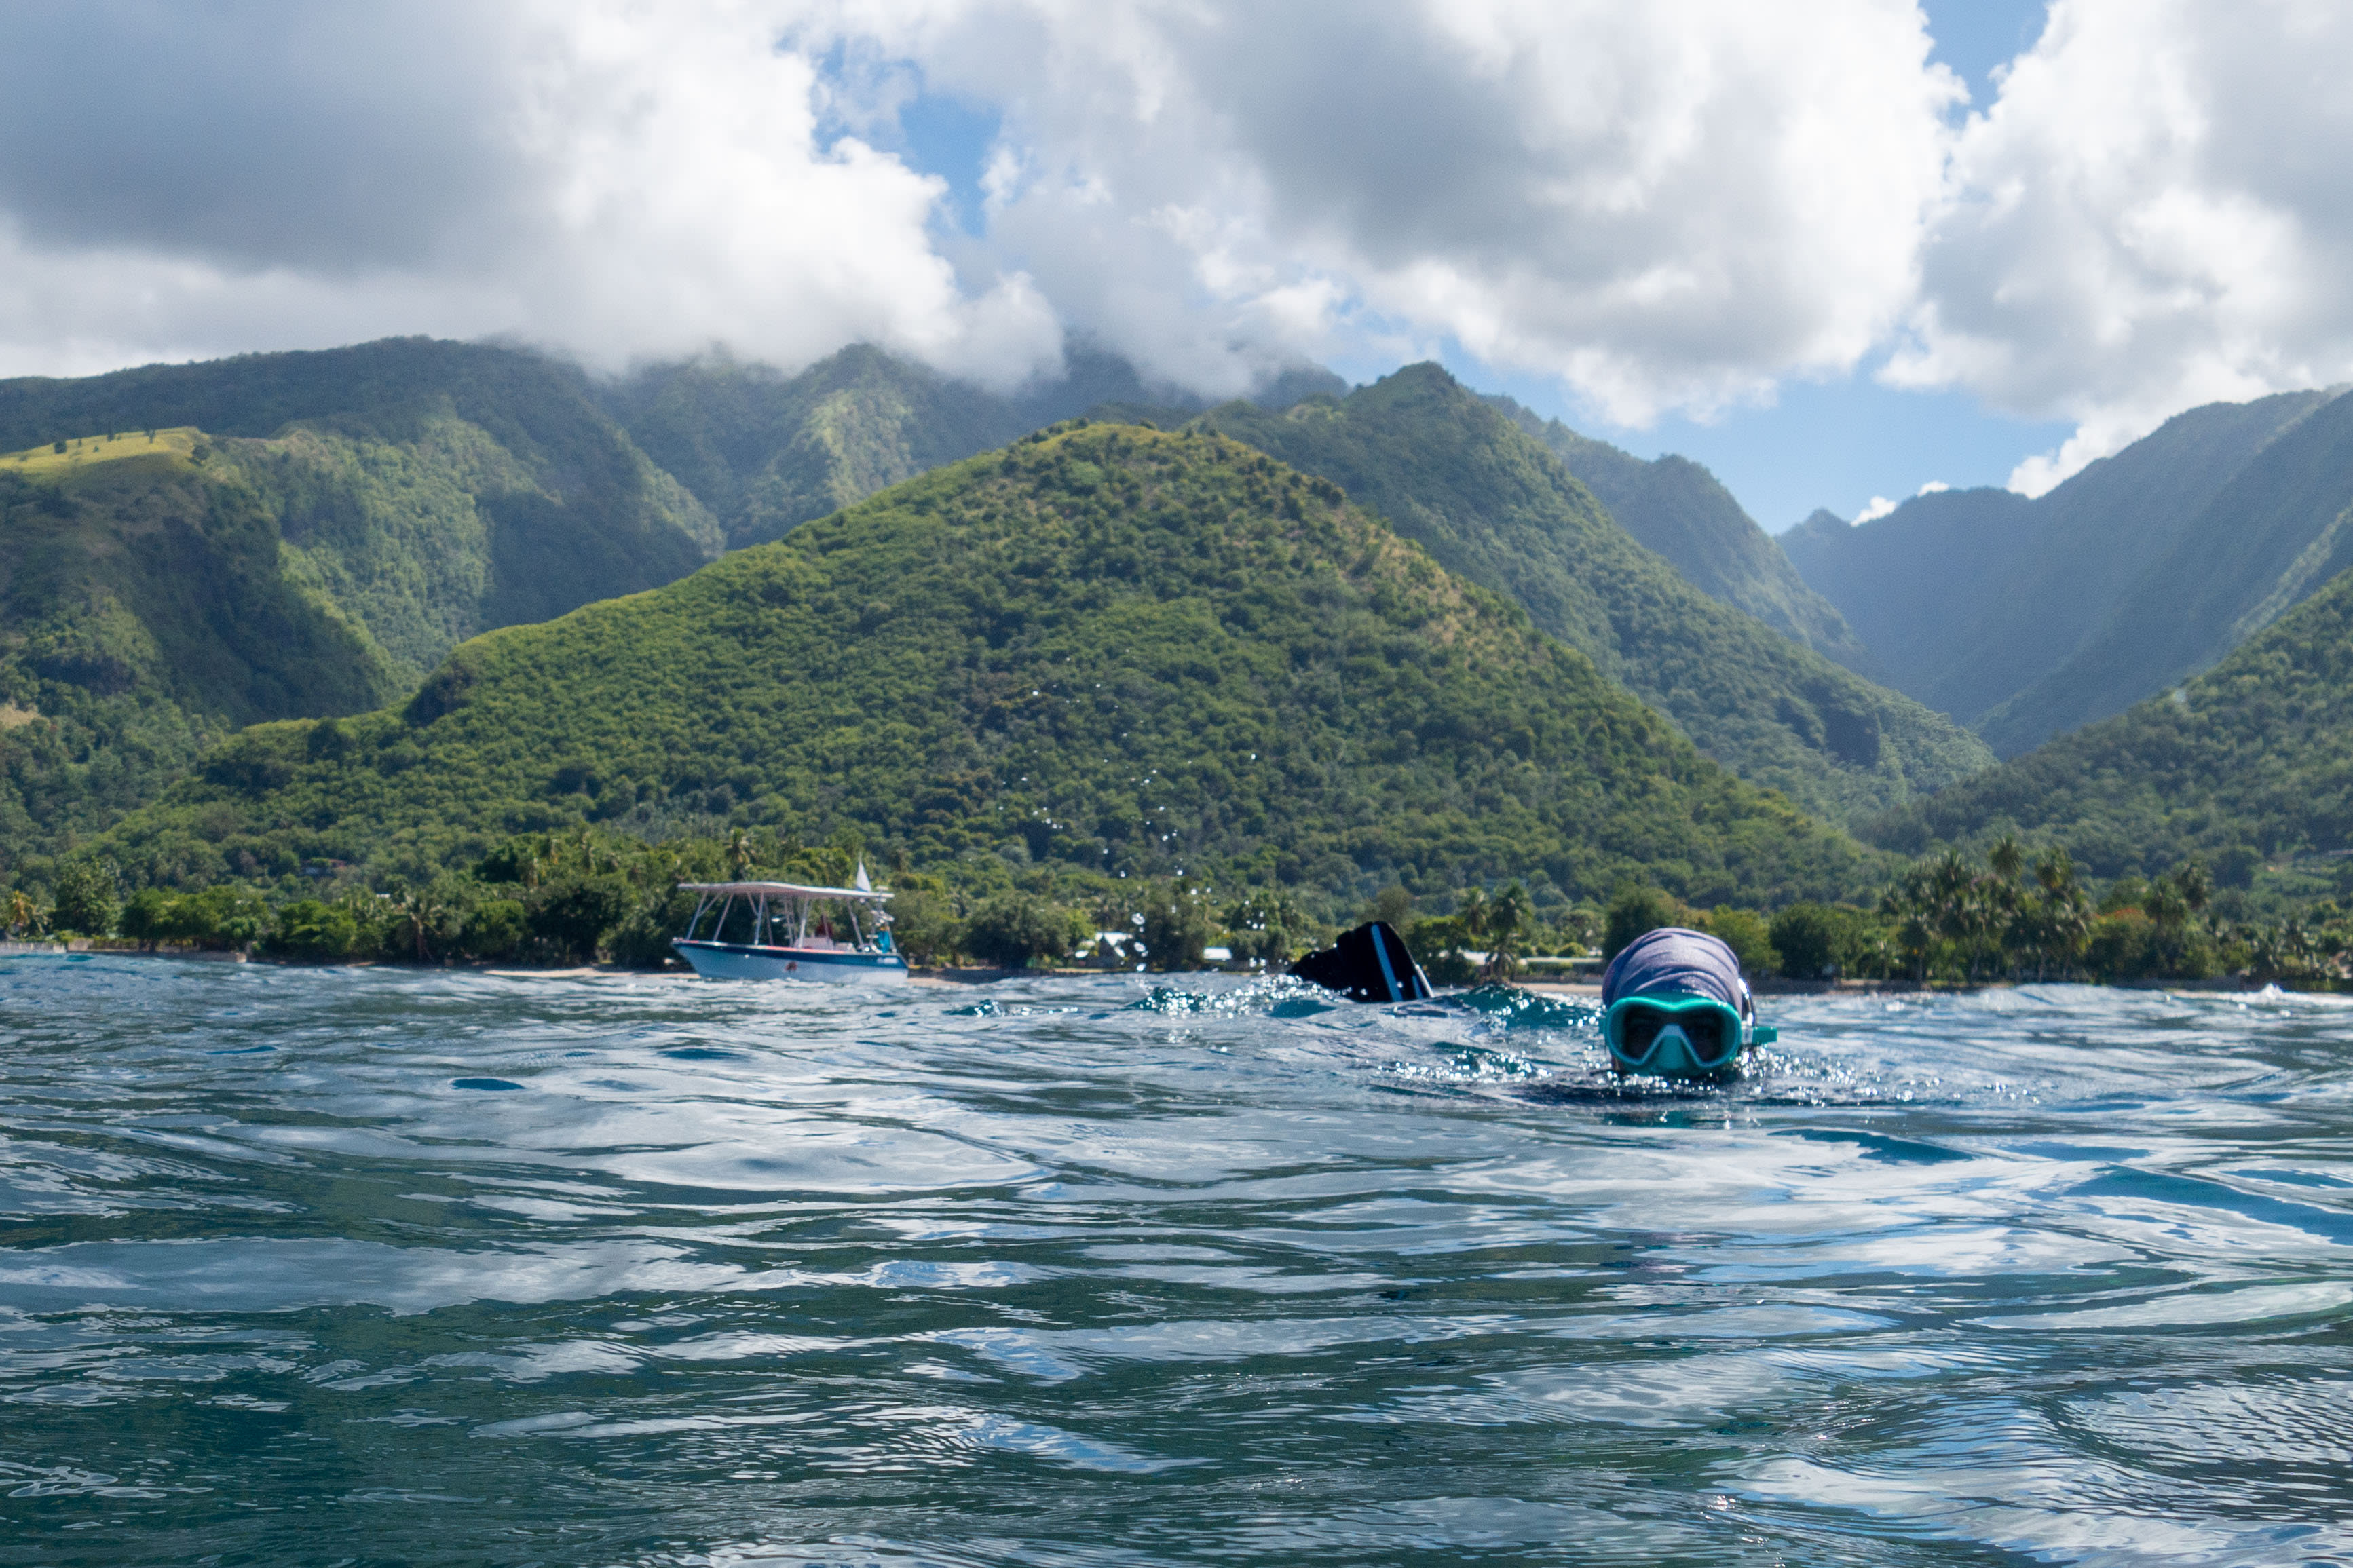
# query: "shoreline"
{"points": [[962, 975]]}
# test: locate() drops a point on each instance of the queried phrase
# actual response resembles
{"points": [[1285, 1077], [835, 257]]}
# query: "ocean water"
{"points": [[369, 1266]]}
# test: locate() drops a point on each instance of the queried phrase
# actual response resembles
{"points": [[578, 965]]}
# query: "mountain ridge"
{"points": [[1493, 504], [1971, 597], [1108, 646]]}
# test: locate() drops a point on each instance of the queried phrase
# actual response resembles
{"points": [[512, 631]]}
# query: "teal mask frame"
{"points": [[1671, 1053]]}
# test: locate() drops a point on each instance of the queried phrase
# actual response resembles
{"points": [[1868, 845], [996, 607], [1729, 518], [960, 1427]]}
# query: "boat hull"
{"points": [[740, 960]]}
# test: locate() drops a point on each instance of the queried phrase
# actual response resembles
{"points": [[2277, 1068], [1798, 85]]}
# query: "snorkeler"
{"points": [[1674, 1003]]}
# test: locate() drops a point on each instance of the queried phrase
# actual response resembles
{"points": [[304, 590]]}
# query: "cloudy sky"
{"points": [[1838, 249]]}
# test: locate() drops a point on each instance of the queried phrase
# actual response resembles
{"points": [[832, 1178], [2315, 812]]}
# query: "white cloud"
{"points": [[1672, 206], [1932, 486], [1667, 206], [1880, 507], [2152, 215], [609, 178]]}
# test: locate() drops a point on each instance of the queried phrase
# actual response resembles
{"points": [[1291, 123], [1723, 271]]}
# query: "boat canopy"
{"points": [[786, 890]]}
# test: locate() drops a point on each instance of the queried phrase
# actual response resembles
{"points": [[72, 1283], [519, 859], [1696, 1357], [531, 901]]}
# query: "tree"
{"points": [[145, 914], [2007, 858], [1750, 938], [85, 897], [1634, 910], [1014, 930], [24, 917], [1505, 930], [1259, 925], [1176, 925], [418, 916]]}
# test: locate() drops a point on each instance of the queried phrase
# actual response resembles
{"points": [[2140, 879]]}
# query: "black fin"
{"points": [[1370, 963]]}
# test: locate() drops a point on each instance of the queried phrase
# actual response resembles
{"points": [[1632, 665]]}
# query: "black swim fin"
{"points": [[1370, 963]]}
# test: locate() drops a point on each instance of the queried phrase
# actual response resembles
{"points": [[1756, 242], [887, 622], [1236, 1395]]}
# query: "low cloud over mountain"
{"points": [[1670, 208]]}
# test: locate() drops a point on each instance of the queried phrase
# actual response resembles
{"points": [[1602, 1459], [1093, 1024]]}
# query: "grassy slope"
{"points": [[1492, 505], [2258, 751], [1113, 647], [1678, 509]]}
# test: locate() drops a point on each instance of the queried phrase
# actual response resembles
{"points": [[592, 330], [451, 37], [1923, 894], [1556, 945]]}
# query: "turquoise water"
{"points": [[369, 1266]]}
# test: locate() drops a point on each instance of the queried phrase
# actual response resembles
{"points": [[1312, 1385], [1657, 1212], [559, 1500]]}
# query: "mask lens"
{"points": [[1704, 1030], [1638, 1027]]}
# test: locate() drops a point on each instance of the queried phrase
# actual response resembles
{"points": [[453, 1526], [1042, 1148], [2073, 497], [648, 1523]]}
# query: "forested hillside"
{"points": [[310, 534], [1973, 597], [1676, 508], [1492, 505], [2252, 758], [1107, 646]]}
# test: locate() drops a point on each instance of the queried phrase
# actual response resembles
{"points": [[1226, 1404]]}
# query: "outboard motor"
{"points": [[1370, 963], [1675, 1005]]}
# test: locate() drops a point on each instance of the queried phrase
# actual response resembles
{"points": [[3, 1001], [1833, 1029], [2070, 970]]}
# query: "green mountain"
{"points": [[1492, 505], [1972, 598], [1676, 508], [290, 535], [2279, 529], [1106, 647], [2255, 756], [767, 452]]}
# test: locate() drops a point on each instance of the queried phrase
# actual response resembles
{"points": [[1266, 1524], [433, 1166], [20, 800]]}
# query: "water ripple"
{"points": [[448, 1268]]}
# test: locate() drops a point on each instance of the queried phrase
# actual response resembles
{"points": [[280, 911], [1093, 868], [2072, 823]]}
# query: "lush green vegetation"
{"points": [[2247, 767], [144, 610], [767, 452], [1945, 919], [1109, 650], [1493, 506], [374, 507], [1676, 508]]}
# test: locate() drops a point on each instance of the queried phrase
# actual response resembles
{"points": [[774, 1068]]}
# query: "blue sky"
{"points": [[1835, 444]]}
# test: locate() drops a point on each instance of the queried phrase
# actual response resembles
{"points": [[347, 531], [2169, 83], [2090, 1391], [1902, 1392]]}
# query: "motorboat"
{"points": [[784, 930]]}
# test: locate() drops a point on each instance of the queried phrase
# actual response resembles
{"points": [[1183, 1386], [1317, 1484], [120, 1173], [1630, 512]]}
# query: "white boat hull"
{"points": [[741, 961]]}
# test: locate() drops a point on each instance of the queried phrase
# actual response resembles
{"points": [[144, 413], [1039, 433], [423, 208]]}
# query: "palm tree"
{"points": [[2007, 857], [420, 913], [22, 916], [1505, 918], [739, 854]]}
